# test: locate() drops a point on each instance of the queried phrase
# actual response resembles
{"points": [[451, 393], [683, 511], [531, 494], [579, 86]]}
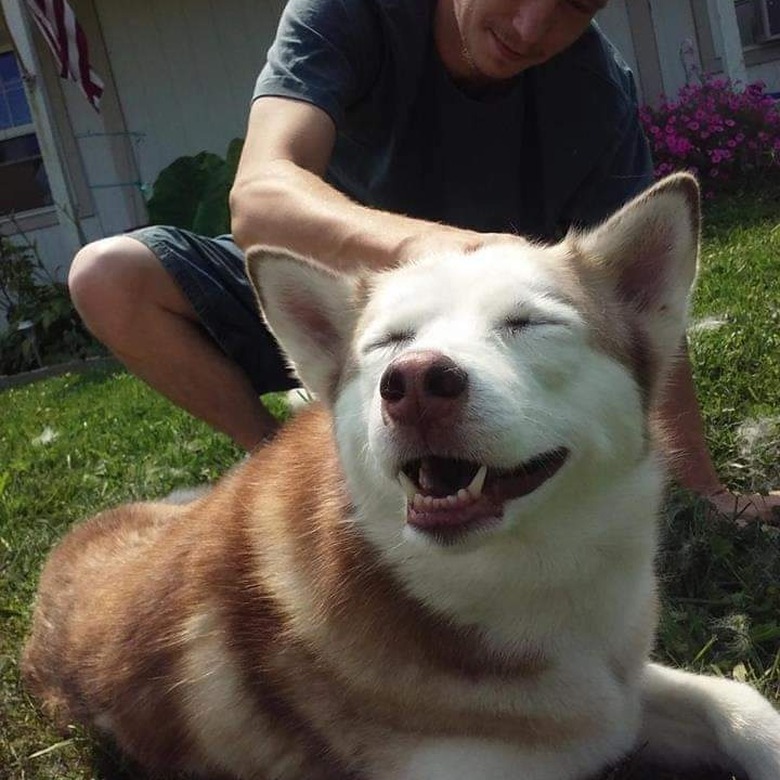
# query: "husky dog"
{"points": [[443, 569]]}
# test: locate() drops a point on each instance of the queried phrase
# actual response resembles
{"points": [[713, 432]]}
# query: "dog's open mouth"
{"points": [[446, 496]]}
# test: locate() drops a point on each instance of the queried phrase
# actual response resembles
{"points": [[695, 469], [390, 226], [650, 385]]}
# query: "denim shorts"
{"points": [[211, 274]]}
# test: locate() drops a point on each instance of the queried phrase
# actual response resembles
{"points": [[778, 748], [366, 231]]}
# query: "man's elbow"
{"points": [[240, 222], [251, 207]]}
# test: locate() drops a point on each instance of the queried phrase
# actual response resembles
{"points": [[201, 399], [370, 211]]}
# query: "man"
{"points": [[469, 116]]}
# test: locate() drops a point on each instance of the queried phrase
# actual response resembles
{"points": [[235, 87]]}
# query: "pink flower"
{"points": [[718, 155], [706, 125]]}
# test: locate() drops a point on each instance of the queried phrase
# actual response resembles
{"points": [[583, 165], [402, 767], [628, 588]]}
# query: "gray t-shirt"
{"points": [[560, 144]]}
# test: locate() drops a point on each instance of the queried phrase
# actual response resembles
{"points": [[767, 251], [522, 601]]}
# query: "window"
{"points": [[758, 20], [23, 182]]}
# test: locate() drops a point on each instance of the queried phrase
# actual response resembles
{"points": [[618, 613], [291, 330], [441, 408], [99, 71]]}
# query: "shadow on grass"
{"points": [[644, 771], [91, 378], [108, 763], [742, 209]]}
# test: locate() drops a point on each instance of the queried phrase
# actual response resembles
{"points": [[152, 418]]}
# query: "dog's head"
{"points": [[478, 394]]}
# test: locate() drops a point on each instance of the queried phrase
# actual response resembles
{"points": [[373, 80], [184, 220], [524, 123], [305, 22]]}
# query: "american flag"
{"points": [[57, 23]]}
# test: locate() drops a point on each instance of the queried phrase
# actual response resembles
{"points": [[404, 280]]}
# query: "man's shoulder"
{"points": [[331, 53], [592, 64]]}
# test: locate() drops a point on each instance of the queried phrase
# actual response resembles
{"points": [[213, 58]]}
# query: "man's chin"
{"points": [[494, 72]]}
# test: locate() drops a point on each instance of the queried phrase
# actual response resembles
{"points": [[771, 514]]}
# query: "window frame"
{"points": [[41, 216], [760, 51]]}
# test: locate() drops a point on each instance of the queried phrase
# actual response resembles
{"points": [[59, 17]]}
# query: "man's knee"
{"points": [[113, 281]]}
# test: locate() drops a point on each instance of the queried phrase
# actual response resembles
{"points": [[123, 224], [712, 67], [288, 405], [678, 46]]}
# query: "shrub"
{"points": [[728, 137], [192, 192], [43, 327]]}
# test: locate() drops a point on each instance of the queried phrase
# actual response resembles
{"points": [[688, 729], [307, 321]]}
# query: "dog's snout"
{"points": [[445, 379], [422, 384]]}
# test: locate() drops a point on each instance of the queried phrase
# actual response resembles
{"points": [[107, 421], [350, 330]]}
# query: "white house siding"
{"points": [[674, 29], [768, 72], [48, 246], [184, 71], [108, 207], [614, 22]]}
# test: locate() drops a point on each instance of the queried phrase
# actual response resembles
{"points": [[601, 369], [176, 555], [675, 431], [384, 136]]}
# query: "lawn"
{"points": [[73, 445]]}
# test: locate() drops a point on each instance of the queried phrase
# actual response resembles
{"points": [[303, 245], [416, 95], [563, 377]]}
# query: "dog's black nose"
{"points": [[422, 384]]}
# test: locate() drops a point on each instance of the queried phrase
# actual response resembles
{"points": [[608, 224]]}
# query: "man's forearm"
{"points": [[290, 207], [683, 426]]}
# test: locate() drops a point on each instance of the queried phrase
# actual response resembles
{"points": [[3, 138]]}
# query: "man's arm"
{"points": [[279, 197]]}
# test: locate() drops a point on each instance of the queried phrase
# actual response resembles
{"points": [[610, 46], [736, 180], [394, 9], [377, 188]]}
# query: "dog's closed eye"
{"points": [[515, 324], [518, 323], [394, 338]]}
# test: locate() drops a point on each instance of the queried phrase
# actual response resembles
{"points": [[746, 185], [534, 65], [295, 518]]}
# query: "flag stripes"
{"points": [[66, 39]]}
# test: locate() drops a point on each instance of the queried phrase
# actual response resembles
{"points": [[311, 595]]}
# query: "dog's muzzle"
{"points": [[424, 394]]}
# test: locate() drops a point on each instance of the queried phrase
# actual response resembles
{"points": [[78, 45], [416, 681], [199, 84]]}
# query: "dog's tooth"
{"points": [[464, 495], [407, 486], [476, 484], [418, 501]]}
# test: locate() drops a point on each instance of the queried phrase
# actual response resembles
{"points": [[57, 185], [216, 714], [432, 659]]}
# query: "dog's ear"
{"points": [[648, 252], [310, 311]]}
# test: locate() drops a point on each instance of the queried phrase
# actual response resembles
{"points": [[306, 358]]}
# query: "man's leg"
{"points": [[691, 463], [131, 303]]}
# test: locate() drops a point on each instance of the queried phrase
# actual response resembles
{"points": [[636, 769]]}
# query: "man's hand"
{"points": [[442, 239], [747, 507]]}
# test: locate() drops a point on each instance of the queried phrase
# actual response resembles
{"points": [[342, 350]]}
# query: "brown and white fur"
{"points": [[311, 618]]}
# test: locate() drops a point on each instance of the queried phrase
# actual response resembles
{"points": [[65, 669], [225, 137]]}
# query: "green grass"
{"points": [[737, 365], [73, 445]]}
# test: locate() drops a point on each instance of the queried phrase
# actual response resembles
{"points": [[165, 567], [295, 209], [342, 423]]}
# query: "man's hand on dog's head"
{"points": [[442, 239]]}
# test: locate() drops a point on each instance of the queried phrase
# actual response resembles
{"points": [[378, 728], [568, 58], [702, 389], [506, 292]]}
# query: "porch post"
{"points": [[726, 29], [18, 22]]}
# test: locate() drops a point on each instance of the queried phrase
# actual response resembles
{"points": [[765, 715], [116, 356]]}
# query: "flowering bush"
{"points": [[726, 136]]}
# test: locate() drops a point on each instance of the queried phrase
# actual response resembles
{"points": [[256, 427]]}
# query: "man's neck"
{"points": [[449, 44]]}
